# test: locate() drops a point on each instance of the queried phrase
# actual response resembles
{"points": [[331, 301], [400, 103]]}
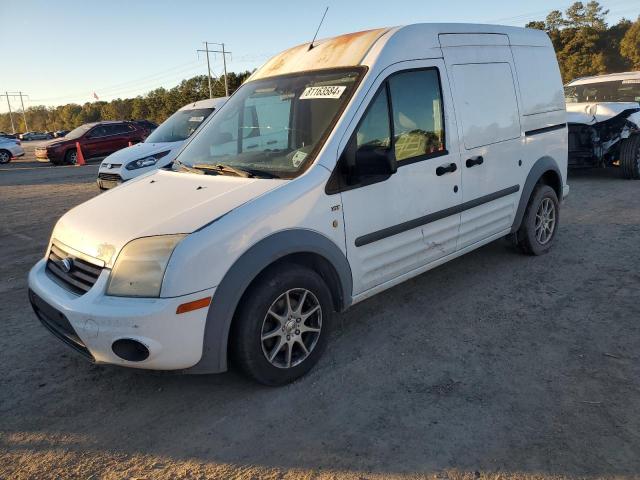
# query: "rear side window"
{"points": [[417, 113], [118, 129], [487, 102]]}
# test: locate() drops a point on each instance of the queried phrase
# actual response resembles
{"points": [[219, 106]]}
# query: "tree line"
{"points": [[584, 43]]}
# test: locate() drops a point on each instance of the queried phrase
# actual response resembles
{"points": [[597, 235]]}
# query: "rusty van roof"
{"points": [[405, 42], [341, 51]]}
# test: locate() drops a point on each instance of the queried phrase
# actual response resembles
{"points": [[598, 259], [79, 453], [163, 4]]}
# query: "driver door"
{"points": [[399, 224], [93, 141]]}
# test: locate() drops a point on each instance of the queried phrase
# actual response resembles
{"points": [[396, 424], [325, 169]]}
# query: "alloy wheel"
{"points": [[545, 221], [291, 328]]}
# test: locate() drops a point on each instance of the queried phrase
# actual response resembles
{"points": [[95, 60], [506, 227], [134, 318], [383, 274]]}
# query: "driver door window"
{"points": [[98, 132], [417, 114]]}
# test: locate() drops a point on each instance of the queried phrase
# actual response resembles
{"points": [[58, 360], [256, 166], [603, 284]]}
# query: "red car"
{"points": [[97, 140]]}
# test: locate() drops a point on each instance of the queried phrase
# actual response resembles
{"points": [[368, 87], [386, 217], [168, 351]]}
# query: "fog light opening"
{"points": [[130, 350]]}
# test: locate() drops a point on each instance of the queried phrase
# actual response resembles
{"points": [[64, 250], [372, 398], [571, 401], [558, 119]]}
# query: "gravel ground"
{"points": [[495, 365]]}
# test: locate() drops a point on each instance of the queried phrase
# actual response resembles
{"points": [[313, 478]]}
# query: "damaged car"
{"points": [[603, 115]]}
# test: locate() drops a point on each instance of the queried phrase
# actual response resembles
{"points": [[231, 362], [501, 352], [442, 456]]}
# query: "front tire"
{"points": [[630, 157], [5, 156], [283, 324], [71, 157], [540, 222]]}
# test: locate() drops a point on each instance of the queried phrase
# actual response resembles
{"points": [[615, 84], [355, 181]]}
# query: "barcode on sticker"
{"points": [[322, 92]]}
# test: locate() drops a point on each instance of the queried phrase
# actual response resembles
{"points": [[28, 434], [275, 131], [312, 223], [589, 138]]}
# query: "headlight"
{"points": [[140, 266], [146, 161]]}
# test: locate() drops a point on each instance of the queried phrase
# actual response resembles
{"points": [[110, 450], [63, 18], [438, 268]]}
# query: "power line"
{"points": [[118, 87]]}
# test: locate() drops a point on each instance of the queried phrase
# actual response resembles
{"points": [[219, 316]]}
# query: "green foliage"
{"points": [[156, 105], [630, 44], [586, 45]]}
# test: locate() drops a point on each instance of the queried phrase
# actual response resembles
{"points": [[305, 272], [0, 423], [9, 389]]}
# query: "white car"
{"points": [[336, 171], [604, 122], [159, 149], [10, 148]]}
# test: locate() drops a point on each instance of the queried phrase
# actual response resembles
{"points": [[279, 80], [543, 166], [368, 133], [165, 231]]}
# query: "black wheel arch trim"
{"points": [[538, 170], [242, 273]]}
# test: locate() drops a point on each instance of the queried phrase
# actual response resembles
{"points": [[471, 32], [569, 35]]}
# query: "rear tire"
{"points": [[630, 157], [540, 222], [71, 157], [282, 326], [5, 156]]}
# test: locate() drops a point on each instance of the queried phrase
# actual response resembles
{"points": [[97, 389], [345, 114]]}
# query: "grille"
{"points": [[79, 278], [57, 324], [113, 177]]}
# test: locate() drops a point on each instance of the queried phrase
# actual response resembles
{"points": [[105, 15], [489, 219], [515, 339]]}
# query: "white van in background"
{"points": [[159, 149], [365, 160]]}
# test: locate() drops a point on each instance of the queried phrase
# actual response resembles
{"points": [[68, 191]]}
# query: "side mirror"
{"points": [[368, 160], [222, 137]]}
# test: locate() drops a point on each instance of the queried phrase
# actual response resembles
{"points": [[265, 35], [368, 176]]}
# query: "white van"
{"points": [[336, 171], [159, 149]]}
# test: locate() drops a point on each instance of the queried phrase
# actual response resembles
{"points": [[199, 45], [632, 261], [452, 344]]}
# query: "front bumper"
{"points": [[109, 178], [94, 321], [41, 155]]}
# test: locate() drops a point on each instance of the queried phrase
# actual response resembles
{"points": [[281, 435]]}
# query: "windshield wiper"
{"points": [[221, 169], [186, 167]]}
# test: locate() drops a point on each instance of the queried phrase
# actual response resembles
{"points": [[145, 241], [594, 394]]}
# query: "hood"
{"points": [[139, 150], [591, 113], [56, 142], [162, 203]]}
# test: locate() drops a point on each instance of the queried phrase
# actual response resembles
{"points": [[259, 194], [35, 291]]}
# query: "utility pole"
{"points": [[24, 113], [206, 49], [13, 128], [224, 62]]}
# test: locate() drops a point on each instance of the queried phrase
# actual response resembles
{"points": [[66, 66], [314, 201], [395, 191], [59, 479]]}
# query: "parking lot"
{"points": [[493, 365]]}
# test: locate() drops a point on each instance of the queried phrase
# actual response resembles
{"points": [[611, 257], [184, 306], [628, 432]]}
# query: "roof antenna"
{"points": [[322, 20]]}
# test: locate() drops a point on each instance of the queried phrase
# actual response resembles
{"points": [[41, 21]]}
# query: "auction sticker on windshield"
{"points": [[322, 92]]}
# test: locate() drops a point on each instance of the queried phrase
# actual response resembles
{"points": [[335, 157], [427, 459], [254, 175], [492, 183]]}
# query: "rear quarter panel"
{"points": [[541, 98]]}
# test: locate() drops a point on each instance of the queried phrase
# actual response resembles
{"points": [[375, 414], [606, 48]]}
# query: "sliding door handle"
{"points": [[473, 161], [447, 168]]}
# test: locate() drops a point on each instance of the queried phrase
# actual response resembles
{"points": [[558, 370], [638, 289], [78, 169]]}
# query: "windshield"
{"points": [[77, 132], [615, 91], [179, 126], [275, 125]]}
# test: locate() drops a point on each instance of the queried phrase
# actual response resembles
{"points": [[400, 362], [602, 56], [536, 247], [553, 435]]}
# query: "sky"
{"points": [[63, 51]]}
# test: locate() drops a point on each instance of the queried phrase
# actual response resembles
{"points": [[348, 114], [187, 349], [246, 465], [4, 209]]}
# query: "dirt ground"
{"points": [[495, 365]]}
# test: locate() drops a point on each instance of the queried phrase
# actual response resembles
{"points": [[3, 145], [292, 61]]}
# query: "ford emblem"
{"points": [[66, 264]]}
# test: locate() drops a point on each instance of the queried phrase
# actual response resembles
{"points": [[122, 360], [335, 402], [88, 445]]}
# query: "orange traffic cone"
{"points": [[80, 158]]}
